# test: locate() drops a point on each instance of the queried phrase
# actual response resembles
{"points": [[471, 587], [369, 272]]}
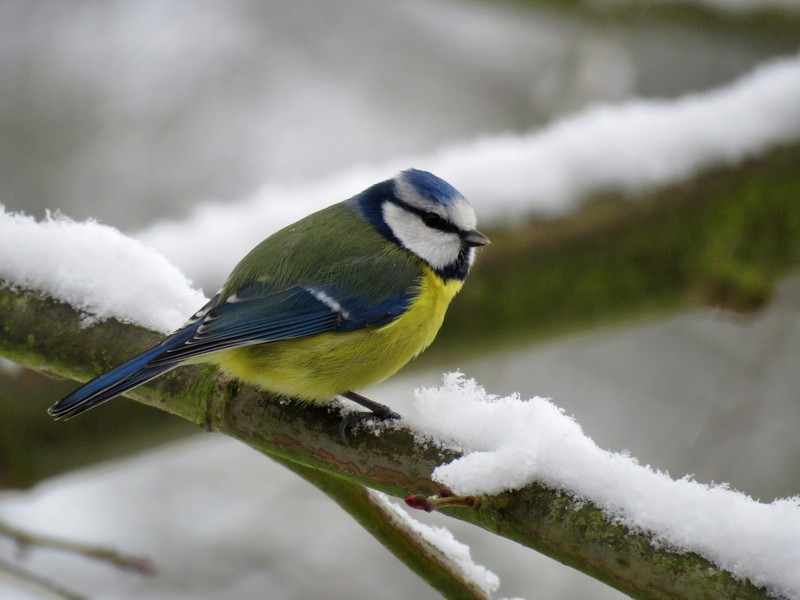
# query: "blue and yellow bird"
{"points": [[335, 302]]}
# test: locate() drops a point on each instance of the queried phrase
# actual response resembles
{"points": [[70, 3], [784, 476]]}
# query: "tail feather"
{"points": [[120, 379]]}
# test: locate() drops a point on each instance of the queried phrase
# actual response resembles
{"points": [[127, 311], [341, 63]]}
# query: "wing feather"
{"points": [[257, 315]]}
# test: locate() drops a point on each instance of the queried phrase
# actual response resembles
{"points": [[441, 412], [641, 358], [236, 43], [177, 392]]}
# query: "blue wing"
{"points": [[255, 314], [121, 378]]}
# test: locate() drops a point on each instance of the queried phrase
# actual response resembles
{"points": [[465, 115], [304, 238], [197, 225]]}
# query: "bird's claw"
{"points": [[377, 413]]}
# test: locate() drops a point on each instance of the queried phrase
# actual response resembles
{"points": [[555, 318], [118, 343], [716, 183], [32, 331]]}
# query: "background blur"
{"points": [[131, 112]]}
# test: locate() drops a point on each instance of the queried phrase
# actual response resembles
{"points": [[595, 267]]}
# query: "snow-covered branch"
{"points": [[572, 525], [631, 147]]}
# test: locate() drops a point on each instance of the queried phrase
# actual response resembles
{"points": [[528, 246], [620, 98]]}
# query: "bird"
{"points": [[337, 301]]}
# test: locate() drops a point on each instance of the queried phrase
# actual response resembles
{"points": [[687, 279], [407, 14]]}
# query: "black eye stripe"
{"points": [[431, 219]]}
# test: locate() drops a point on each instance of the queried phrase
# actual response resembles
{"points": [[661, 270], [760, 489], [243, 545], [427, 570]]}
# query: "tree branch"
{"points": [[35, 582], [46, 335], [418, 555], [26, 540]]}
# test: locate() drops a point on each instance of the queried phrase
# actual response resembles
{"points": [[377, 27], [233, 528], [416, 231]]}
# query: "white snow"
{"points": [[444, 541], [633, 146], [96, 269], [509, 443]]}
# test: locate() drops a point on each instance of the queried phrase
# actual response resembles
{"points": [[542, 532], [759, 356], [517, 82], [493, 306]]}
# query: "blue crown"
{"points": [[431, 187], [369, 203]]}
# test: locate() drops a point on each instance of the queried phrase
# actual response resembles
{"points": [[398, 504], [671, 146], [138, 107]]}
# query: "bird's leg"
{"points": [[378, 412], [381, 411]]}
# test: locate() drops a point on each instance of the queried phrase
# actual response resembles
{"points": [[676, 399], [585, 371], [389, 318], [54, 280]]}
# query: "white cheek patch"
{"points": [[470, 257], [438, 248]]}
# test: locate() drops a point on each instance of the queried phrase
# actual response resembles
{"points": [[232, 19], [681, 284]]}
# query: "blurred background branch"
{"points": [[27, 541]]}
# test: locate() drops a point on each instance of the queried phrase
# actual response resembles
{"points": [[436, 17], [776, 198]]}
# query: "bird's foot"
{"points": [[378, 412]]}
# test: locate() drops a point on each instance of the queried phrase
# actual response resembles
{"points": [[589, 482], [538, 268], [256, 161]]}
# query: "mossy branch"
{"points": [[417, 554], [47, 336]]}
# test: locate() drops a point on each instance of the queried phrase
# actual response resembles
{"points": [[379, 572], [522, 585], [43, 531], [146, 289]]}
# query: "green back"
{"points": [[335, 246]]}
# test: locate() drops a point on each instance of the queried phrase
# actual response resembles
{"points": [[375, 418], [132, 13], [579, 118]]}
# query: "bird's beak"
{"points": [[475, 238]]}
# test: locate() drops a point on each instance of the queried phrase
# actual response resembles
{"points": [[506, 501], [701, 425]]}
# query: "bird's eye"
{"points": [[433, 220]]}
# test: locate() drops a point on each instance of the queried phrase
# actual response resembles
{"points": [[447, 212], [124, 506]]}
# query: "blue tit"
{"points": [[337, 301]]}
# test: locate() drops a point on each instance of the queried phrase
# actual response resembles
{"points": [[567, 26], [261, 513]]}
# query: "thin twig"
{"points": [[30, 580], [26, 540]]}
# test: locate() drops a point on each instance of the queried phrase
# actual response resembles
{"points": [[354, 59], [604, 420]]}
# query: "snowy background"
{"points": [[200, 131]]}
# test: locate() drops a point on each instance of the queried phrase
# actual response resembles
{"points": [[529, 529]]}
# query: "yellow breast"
{"points": [[319, 367]]}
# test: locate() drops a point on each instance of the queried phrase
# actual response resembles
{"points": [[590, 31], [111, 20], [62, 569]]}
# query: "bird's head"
{"points": [[427, 216]]}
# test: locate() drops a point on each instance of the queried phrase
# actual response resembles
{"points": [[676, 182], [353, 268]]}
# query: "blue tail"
{"points": [[121, 378]]}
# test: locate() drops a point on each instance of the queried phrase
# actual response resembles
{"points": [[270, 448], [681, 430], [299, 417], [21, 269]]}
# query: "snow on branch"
{"points": [[443, 541], [633, 146], [96, 269], [517, 442], [509, 443]]}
